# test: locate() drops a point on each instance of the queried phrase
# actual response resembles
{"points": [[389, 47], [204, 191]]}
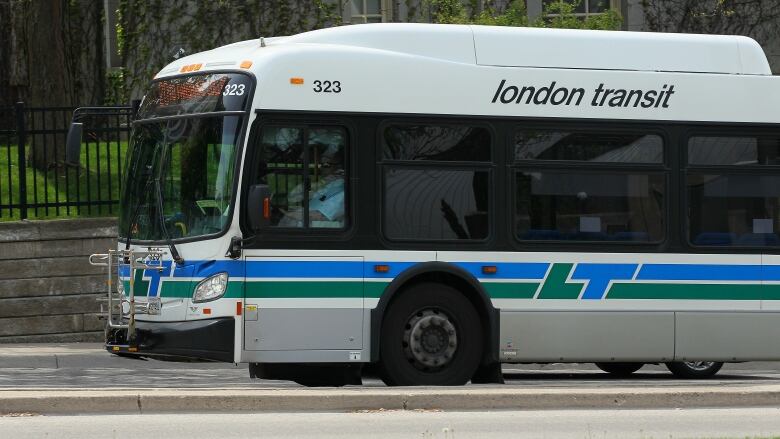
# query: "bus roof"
{"points": [[529, 47]]}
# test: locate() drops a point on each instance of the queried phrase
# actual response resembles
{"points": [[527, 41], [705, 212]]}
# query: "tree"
{"points": [[755, 18], [57, 52]]}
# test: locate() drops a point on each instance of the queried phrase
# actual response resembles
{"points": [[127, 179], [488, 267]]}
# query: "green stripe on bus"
{"points": [[502, 290], [555, 285], [375, 289], [280, 289], [694, 291], [177, 289]]}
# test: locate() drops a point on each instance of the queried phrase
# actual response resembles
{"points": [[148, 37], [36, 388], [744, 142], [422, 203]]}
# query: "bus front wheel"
{"points": [[431, 335], [694, 369]]}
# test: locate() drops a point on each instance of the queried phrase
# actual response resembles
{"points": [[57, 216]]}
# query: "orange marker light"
{"points": [[191, 68], [238, 308], [206, 310], [132, 349], [246, 64], [296, 81], [266, 208], [382, 268], [489, 269]]}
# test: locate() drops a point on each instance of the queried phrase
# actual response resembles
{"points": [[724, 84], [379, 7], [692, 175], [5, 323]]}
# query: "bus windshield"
{"points": [[180, 168]]}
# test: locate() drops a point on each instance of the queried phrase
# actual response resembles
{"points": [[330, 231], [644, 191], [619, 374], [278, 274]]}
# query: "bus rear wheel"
{"points": [[694, 369], [431, 335], [620, 369]]}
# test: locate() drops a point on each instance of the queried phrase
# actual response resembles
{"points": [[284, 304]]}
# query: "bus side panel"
{"points": [[586, 336], [727, 336]]}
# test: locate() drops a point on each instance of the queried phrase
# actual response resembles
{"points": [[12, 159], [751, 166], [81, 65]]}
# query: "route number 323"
{"points": [[327, 86]]}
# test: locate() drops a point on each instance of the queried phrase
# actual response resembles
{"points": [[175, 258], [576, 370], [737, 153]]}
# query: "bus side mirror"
{"points": [[259, 205], [73, 144]]}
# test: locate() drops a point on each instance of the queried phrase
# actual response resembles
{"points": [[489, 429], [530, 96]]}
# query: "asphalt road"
{"points": [[88, 366], [589, 424]]}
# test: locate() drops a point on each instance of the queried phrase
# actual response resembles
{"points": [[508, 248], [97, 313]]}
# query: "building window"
{"points": [[584, 8], [366, 11]]}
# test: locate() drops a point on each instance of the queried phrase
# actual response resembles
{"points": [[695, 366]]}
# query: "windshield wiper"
{"points": [[137, 210], [174, 253]]}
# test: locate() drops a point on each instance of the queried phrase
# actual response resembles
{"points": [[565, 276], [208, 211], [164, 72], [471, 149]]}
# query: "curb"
{"points": [[340, 400]]}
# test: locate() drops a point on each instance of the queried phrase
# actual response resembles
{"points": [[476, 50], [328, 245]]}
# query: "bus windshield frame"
{"points": [[207, 112]]}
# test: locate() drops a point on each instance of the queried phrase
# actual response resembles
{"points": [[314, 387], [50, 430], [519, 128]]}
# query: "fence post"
{"points": [[21, 132]]}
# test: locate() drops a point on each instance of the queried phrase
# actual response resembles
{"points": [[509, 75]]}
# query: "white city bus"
{"points": [[435, 200]]}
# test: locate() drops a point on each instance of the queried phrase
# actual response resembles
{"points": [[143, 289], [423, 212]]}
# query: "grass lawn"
{"points": [[96, 178]]}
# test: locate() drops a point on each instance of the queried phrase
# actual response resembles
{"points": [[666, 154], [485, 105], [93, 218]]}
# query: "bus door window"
{"points": [[327, 177], [307, 183]]}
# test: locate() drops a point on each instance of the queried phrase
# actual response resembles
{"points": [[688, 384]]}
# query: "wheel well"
{"points": [[454, 277]]}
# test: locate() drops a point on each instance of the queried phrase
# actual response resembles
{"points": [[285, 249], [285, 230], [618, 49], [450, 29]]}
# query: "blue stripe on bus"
{"points": [[770, 272], [356, 269], [703, 272], [507, 270]]}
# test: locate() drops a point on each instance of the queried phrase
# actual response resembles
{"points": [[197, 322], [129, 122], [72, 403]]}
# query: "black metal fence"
{"points": [[36, 180]]}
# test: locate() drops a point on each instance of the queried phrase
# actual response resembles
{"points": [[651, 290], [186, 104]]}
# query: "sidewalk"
{"points": [[54, 355], [377, 399]]}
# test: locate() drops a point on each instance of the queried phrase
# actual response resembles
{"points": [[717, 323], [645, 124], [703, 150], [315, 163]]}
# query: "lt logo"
{"points": [[147, 282], [596, 278]]}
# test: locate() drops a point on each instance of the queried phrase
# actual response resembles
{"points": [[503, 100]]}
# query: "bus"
{"points": [[427, 202]]}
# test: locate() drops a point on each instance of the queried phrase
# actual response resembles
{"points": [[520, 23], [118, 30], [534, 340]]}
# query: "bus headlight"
{"points": [[211, 288]]}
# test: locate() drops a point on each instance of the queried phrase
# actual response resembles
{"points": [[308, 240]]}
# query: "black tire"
{"points": [[694, 369], [620, 369], [440, 317]]}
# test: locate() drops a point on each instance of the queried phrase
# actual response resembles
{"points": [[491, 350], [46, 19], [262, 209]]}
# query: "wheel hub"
{"points": [[430, 339], [699, 365]]}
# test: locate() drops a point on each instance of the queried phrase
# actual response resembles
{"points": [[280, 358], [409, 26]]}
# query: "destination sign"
{"points": [[194, 94]]}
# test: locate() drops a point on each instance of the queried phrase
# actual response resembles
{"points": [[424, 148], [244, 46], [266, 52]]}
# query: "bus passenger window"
{"points": [[425, 197], [728, 210], [568, 206], [307, 184], [435, 204], [733, 150], [607, 197]]}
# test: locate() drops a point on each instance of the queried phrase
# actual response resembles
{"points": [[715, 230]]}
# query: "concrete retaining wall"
{"points": [[48, 290]]}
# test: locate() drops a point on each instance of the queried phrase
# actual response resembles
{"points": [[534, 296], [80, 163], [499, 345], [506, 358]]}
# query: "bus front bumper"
{"points": [[193, 340]]}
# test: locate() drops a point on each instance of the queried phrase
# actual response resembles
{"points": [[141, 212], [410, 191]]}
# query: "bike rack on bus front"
{"points": [[133, 260]]}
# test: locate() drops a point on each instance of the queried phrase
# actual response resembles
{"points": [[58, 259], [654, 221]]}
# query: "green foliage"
{"points": [[561, 15], [557, 14], [448, 12], [514, 15], [116, 92]]}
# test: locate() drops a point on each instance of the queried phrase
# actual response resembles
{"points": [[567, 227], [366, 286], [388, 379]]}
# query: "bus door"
{"points": [[306, 298]]}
